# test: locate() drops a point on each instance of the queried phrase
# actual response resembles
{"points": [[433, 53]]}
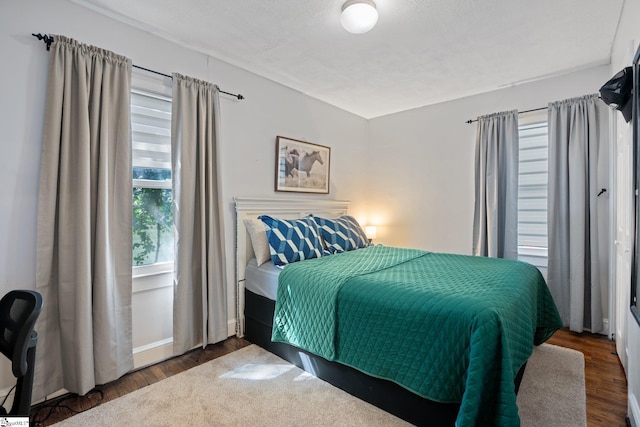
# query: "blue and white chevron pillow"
{"points": [[292, 240], [341, 234]]}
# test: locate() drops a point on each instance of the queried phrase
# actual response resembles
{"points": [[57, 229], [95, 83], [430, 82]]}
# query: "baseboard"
{"points": [[152, 353], [162, 350], [634, 410], [231, 327], [53, 395], [7, 395], [605, 328]]}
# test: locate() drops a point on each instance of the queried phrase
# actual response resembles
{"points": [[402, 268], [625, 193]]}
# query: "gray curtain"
{"points": [[577, 218], [84, 221], [495, 220], [200, 296]]}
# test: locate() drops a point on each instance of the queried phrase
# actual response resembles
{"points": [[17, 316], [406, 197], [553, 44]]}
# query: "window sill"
{"points": [[152, 269]]}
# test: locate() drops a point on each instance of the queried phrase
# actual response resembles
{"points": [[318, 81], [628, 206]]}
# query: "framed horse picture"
{"points": [[301, 166]]}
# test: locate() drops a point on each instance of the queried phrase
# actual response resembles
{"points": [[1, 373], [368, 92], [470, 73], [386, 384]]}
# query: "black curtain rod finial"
{"points": [[47, 39], [239, 96]]}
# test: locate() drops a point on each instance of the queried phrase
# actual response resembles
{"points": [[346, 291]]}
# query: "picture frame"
{"points": [[301, 166]]}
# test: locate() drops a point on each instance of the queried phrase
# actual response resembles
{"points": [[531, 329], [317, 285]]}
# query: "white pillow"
{"points": [[258, 234]]}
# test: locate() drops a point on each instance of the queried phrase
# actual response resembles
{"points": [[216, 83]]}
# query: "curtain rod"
{"points": [[239, 96], [537, 109], [47, 39], [519, 112]]}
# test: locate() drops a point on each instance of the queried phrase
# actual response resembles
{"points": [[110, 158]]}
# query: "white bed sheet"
{"points": [[262, 280]]}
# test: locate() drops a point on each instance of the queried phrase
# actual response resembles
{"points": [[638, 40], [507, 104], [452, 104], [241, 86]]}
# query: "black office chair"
{"points": [[19, 310]]}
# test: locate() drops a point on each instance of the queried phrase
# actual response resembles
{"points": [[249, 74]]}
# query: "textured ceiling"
{"points": [[421, 52]]}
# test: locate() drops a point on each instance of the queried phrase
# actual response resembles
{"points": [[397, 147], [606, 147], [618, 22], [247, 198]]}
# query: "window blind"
{"points": [[532, 194], [151, 130]]}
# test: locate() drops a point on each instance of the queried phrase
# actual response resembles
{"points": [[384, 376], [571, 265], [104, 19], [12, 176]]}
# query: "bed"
{"points": [[454, 356]]}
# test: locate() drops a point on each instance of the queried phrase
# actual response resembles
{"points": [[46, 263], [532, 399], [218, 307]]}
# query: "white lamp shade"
{"points": [[359, 16], [371, 231]]}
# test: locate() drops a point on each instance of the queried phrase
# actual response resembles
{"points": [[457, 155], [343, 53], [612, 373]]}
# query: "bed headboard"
{"points": [[280, 208]]}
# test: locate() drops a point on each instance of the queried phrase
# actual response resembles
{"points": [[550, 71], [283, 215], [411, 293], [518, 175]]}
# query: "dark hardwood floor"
{"points": [[606, 386], [605, 382]]}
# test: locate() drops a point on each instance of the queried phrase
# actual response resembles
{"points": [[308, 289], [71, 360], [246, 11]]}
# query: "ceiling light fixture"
{"points": [[359, 16]]}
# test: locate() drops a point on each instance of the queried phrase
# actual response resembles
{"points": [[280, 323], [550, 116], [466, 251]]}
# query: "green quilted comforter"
{"points": [[450, 328]]}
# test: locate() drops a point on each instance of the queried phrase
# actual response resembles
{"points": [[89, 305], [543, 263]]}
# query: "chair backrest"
{"points": [[19, 310]]}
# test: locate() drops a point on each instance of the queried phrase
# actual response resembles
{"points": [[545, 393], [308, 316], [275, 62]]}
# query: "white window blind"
{"points": [[532, 194], [151, 130]]}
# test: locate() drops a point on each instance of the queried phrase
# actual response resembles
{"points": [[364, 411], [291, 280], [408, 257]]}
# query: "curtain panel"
{"points": [[495, 224], [84, 221], [577, 217], [200, 296]]}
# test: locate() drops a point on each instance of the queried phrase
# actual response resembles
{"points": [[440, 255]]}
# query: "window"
{"points": [[532, 191], [152, 195]]}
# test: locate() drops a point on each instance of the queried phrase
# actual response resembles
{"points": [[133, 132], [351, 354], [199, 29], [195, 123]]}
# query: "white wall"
{"points": [[422, 161], [410, 172], [626, 42], [249, 129]]}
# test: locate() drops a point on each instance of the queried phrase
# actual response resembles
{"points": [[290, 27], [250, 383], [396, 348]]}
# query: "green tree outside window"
{"points": [[152, 219]]}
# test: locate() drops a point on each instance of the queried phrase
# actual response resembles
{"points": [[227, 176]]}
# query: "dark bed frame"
{"points": [[384, 394]]}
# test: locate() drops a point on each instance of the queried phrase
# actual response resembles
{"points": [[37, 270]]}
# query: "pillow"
{"points": [[258, 235], [341, 234], [292, 240]]}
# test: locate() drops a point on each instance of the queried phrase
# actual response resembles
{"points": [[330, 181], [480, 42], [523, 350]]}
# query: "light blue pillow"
{"points": [[292, 240], [341, 234]]}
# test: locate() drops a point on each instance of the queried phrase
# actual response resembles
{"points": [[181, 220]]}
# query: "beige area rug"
{"points": [[251, 387], [552, 392]]}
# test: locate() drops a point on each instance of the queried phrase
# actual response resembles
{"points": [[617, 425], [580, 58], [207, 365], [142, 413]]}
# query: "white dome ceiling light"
{"points": [[359, 16]]}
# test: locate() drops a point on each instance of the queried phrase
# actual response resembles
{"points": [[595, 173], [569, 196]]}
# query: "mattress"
{"points": [[262, 280]]}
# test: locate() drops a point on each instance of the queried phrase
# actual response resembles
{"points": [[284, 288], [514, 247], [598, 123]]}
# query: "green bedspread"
{"points": [[450, 328]]}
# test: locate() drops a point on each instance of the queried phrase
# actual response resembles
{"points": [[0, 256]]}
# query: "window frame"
{"points": [[159, 87], [530, 119]]}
